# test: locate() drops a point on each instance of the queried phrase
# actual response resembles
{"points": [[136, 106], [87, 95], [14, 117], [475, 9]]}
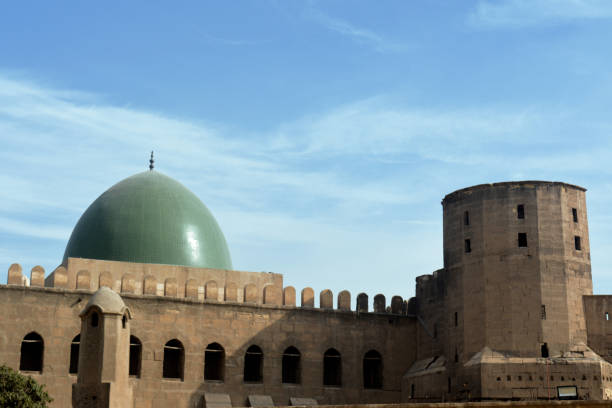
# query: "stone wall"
{"points": [[517, 296], [598, 313], [53, 313], [164, 280], [513, 281]]}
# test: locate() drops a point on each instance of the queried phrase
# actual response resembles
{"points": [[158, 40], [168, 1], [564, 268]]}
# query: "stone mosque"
{"points": [[146, 310]]}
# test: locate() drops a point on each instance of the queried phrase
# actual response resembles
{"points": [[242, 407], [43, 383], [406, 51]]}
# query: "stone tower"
{"points": [[522, 251], [508, 304], [102, 380]]}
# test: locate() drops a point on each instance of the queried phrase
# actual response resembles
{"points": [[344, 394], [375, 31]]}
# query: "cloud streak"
{"points": [[36, 230], [359, 35], [522, 13], [351, 187]]}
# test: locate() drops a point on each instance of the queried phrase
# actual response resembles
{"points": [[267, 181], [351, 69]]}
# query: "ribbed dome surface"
{"points": [[150, 218]]}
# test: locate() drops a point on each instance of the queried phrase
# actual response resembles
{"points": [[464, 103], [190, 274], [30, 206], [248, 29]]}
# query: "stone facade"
{"points": [[510, 316], [506, 312], [54, 314]]}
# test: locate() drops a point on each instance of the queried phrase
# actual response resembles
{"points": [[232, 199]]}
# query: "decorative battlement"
{"points": [[431, 286], [204, 290]]}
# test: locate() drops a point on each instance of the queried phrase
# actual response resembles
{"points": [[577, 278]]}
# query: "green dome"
{"points": [[149, 218]]}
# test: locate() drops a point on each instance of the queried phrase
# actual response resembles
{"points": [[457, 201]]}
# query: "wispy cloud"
{"points": [[346, 187], [520, 13], [477, 136], [36, 230], [360, 35]]}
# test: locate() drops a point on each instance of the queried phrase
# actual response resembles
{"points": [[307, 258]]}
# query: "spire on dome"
{"points": [[151, 162]]}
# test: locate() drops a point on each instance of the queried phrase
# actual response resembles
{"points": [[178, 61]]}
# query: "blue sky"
{"points": [[321, 134]]}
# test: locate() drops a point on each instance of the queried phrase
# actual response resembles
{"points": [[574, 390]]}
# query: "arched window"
{"points": [[214, 362], [291, 366], [74, 354], [332, 368], [94, 319], [372, 370], [32, 350], [174, 359], [136, 356], [253, 364]]}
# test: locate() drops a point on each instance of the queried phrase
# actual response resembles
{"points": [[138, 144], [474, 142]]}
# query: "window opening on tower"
{"points": [[520, 211], [575, 214], [522, 239]]}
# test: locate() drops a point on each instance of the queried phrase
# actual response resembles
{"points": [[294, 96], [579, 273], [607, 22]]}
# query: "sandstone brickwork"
{"points": [[510, 316], [54, 314], [508, 306]]}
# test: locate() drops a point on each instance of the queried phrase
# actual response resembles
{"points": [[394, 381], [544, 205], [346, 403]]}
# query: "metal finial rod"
{"points": [[151, 162]]}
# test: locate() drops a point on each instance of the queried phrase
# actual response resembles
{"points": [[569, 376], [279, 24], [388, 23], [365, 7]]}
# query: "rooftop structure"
{"points": [[146, 311], [149, 218]]}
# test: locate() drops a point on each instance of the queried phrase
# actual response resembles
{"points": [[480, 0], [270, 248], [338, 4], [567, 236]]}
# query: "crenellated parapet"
{"points": [[431, 288], [202, 288]]}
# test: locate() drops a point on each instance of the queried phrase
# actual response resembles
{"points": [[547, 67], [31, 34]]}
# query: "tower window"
{"points": [[522, 239], [449, 385], [456, 319], [135, 356], [291, 366], [253, 364], [466, 218], [520, 211], [468, 246], [32, 350], [94, 319], [575, 214], [332, 368], [544, 350], [456, 355], [74, 354], [372, 370], [543, 312], [174, 359], [577, 243], [607, 316]]}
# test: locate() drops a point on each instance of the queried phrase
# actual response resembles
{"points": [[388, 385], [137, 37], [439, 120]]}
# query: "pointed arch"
{"points": [[214, 362], [253, 364], [372, 370], [332, 368], [135, 356], [32, 352], [291, 366], [174, 360]]}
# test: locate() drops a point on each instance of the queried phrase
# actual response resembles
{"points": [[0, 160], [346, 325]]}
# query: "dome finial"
{"points": [[151, 161]]}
